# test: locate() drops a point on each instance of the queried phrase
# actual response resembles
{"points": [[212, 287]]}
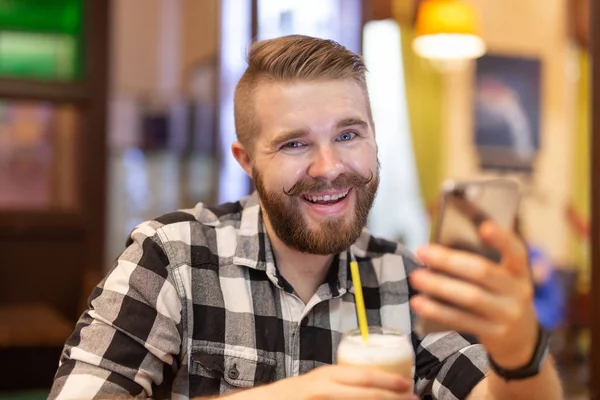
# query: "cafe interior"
{"points": [[113, 112]]}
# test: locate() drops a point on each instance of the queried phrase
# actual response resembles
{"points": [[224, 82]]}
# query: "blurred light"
{"points": [[447, 30], [398, 212], [236, 33], [339, 20]]}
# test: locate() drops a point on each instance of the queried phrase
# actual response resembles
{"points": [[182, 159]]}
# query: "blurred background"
{"points": [[116, 111]]}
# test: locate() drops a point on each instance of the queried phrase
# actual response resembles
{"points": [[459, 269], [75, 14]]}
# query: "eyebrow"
{"points": [[347, 122], [287, 136], [300, 133]]}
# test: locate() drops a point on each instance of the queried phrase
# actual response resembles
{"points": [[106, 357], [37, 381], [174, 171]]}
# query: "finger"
{"points": [[514, 253], [458, 320], [370, 377], [461, 294], [467, 266], [353, 393]]}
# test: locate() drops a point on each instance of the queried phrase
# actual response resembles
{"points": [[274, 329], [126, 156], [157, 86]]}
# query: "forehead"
{"points": [[310, 105]]}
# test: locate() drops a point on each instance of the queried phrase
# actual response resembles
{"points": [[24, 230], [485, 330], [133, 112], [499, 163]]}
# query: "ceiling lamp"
{"points": [[447, 30]]}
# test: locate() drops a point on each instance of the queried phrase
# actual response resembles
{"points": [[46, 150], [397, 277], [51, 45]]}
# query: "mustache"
{"points": [[312, 185]]}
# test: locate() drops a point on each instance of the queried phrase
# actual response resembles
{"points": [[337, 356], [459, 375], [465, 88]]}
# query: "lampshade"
{"points": [[447, 30]]}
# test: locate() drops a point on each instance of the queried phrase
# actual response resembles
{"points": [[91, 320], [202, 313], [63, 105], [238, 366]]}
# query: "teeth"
{"points": [[327, 197]]}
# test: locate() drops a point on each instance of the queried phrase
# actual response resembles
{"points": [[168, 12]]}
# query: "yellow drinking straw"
{"points": [[360, 301]]}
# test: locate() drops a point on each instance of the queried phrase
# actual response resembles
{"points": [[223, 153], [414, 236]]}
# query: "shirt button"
{"points": [[233, 372]]}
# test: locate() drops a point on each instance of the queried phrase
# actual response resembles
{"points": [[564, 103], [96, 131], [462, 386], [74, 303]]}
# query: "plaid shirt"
{"points": [[195, 306]]}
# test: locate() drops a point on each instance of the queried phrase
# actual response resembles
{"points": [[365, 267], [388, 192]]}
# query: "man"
{"points": [[255, 295]]}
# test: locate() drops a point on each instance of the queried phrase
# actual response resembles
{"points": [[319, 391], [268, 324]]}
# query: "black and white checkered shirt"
{"points": [[195, 307]]}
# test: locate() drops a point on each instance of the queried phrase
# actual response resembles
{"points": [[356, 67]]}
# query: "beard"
{"points": [[333, 235]]}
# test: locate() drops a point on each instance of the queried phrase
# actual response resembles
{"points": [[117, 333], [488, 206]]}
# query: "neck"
{"points": [[304, 271]]}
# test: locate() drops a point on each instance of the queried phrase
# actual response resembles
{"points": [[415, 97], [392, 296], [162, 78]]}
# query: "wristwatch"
{"points": [[535, 364]]}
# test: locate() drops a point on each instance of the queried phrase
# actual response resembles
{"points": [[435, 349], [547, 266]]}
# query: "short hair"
{"points": [[289, 59]]}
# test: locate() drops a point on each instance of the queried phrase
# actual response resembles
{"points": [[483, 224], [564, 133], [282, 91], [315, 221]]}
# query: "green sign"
{"points": [[34, 55], [41, 39], [57, 16]]}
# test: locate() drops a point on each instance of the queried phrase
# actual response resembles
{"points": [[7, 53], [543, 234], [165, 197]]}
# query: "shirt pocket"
{"points": [[234, 370]]}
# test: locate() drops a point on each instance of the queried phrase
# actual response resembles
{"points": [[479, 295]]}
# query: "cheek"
{"points": [[363, 161], [280, 175]]}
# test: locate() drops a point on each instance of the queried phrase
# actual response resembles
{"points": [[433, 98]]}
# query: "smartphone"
{"points": [[464, 206]]}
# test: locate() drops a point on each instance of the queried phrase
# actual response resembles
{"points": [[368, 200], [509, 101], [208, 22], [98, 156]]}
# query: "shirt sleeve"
{"points": [[126, 342], [448, 366]]}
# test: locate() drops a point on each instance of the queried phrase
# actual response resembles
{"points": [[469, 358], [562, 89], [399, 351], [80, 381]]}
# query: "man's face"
{"points": [[315, 163]]}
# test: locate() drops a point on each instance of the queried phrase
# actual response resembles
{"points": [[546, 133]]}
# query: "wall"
{"points": [[145, 32], [199, 33], [135, 37], [155, 46], [532, 28]]}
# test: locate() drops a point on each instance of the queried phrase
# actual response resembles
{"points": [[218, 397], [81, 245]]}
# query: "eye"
{"points": [[346, 136], [292, 145]]}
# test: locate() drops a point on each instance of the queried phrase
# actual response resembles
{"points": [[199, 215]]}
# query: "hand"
{"points": [[335, 382], [495, 302]]}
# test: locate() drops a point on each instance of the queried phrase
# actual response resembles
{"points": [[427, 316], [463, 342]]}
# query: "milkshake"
{"points": [[386, 349]]}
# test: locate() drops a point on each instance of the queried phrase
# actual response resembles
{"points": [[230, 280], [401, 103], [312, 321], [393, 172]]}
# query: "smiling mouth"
{"points": [[326, 199]]}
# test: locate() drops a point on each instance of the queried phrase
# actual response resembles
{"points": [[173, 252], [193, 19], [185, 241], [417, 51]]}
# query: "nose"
{"points": [[326, 165]]}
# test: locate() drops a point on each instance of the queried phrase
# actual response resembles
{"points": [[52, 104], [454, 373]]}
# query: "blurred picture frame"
{"points": [[507, 112]]}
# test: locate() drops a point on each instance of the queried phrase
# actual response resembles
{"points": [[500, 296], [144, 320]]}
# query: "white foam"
{"points": [[381, 349]]}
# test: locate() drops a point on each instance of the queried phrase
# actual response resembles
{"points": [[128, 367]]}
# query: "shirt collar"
{"points": [[253, 248]]}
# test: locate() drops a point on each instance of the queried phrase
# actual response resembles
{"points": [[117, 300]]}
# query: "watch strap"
{"points": [[534, 366]]}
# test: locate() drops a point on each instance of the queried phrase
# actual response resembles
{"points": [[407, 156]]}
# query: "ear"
{"points": [[242, 156]]}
